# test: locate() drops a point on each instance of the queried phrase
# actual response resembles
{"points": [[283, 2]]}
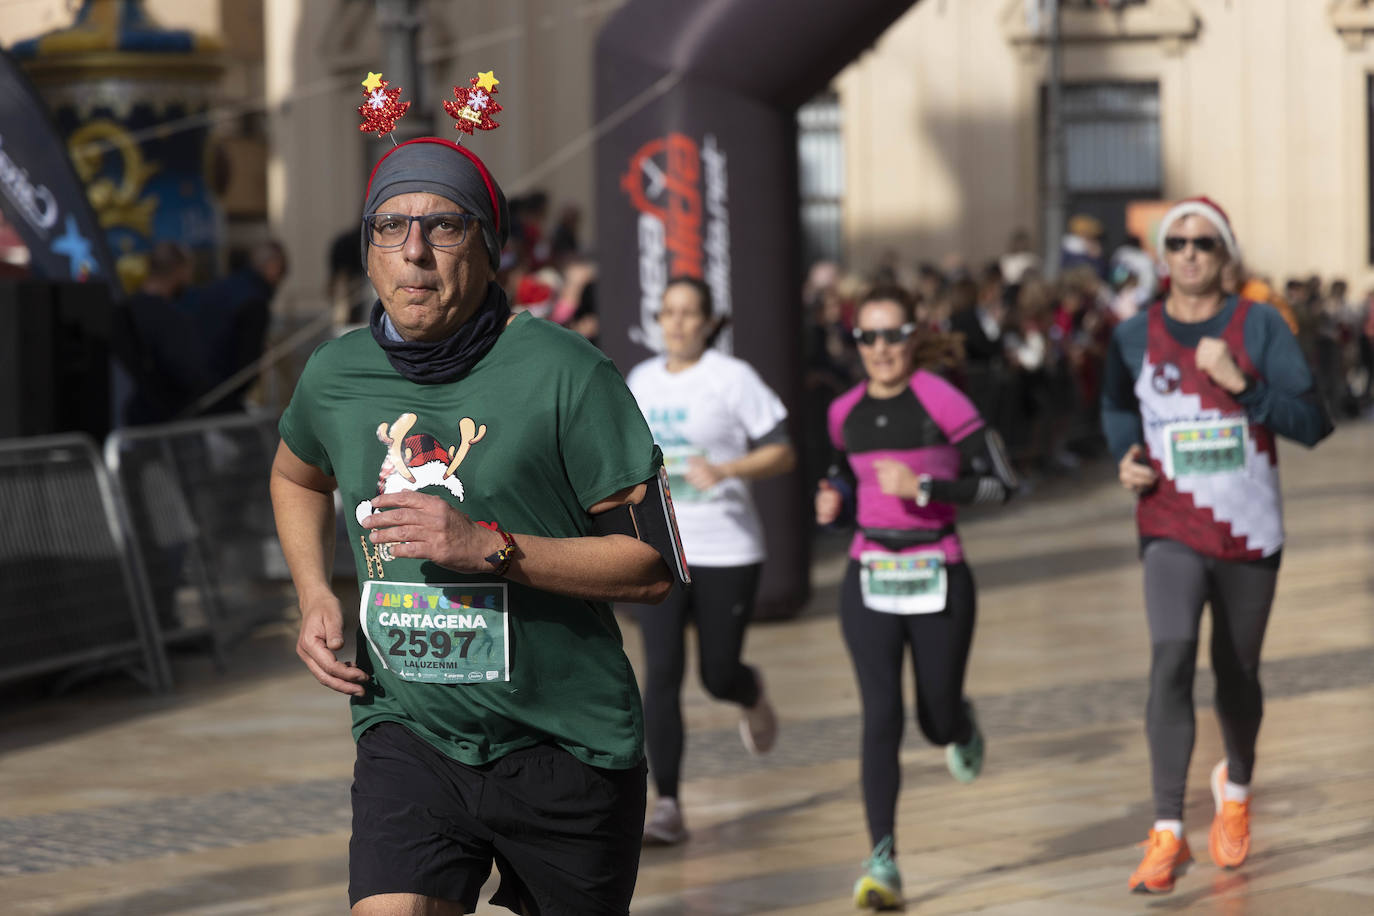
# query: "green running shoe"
{"points": [[880, 886], [965, 761]]}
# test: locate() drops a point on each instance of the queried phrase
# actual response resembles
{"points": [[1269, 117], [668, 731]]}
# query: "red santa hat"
{"points": [[1209, 210]]}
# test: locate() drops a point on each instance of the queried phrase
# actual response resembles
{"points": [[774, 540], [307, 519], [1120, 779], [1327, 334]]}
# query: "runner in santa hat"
{"points": [[1197, 386]]}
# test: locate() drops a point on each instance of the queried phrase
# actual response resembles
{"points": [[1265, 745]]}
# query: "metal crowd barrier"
{"points": [[202, 525], [74, 597]]}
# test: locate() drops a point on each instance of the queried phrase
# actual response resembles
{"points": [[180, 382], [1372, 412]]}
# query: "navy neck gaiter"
{"points": [[439, 361]]}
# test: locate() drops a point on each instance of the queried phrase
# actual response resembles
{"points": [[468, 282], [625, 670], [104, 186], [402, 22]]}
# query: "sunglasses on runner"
{"points": [[891, 335], [1204, 243]]}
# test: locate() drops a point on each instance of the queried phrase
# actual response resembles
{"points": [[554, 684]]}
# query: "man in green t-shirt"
{"points": [[496, 715]]}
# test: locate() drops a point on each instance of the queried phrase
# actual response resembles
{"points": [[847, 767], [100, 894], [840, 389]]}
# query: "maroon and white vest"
{"points": [[1218, 487]]}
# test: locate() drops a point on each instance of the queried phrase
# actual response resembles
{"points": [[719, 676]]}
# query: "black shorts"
{"points": [[564, 836]]}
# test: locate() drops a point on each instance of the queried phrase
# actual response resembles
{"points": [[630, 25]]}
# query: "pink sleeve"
{"points": [[839, 409], [951, 410]]}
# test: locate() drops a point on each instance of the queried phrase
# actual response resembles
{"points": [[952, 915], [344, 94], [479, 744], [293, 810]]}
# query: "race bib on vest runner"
{"points": [[1207, 447], [438, 634], [676, 459], [903, 583]]}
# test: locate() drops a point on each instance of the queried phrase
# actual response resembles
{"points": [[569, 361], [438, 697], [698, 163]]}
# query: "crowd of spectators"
{"points": [[178, 348], [1029, 351]]}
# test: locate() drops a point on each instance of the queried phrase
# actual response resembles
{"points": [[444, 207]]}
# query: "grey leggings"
{"points": [[1178, 581]]}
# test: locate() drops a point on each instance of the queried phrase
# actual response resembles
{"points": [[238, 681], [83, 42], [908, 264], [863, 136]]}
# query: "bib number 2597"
{"points": [[438, 634]]}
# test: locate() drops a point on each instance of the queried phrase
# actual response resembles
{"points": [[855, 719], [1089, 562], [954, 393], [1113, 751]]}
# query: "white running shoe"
{"points": [[665, 826]]}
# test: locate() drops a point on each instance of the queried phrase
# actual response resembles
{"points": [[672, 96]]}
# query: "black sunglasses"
{"points": [[1204, 243], [890, 335]]}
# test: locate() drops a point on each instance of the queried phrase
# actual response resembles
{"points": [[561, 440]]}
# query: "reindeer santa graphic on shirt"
{"points": [[416, 460]]}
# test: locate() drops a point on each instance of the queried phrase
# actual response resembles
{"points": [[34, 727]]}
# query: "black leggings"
{"points": [[940, 646], [1178, 581], [720, 602]]}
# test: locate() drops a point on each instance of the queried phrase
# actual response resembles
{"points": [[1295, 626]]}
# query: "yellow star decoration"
{"points": [[373, 81], [486, 81]]}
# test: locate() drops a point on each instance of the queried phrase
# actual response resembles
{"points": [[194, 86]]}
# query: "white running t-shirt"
{"points": [[711, 409]]}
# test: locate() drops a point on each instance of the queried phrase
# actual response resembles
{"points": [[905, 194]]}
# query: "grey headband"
{"points": [[440, 167]]}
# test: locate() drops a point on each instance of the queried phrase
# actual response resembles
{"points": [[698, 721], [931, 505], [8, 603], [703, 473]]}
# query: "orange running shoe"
{"points": [[1165, 856], [1229, 840]]}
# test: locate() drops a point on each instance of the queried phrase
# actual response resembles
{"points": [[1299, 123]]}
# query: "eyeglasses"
{"points": [[1203, 243], [890, 335], [441, 230]]}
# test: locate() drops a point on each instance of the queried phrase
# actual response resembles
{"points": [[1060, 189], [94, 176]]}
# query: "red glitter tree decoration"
{"points": [[382, 107], [474, 105]]}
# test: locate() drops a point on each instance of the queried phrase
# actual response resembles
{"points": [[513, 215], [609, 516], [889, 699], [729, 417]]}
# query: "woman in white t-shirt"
{"points": [[719, 427]]}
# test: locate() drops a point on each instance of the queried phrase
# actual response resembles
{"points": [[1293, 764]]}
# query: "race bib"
{"points": [[1207, 447], [676, 460], [903, 583], [438, 634]]}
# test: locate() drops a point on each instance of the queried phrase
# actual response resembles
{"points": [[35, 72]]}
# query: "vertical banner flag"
{"points": [[40, 193]]}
